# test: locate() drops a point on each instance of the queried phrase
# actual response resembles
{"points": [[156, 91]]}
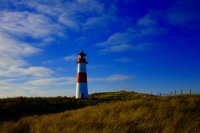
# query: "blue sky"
{"points": [[135, 45]]}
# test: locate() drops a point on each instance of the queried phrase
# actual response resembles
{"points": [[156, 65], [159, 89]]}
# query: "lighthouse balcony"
{"points": [[82, 60]]}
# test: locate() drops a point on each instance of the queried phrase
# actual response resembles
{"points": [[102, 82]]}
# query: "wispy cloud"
{"points": [[36, 71], [17, 90], [117, 77], [100, 22], [69, 13], [9, 81], [72, 57], [20, 71], [134, 38], [13, 48], [183, 13], [119, 48], [29, 86], [43, 20], [40, 22], [52, 81], [117, 39], [48, 62], [31, 91], [147, 21], [124, 47], [12, 63], [148, 26], [117, 42], [27, 24], [112, 78]]}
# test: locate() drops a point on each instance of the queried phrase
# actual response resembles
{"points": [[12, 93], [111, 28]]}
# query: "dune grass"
{"points": [[148, 114]]}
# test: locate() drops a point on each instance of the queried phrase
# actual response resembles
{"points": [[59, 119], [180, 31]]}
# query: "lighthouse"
{"points": [[81, 79]]}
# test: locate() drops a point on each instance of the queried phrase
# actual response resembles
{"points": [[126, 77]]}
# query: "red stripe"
{"points": [[81, 60], [81, 77]]}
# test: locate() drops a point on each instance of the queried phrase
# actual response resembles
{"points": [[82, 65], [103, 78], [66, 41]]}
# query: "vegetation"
{"points": [[113, 112]]}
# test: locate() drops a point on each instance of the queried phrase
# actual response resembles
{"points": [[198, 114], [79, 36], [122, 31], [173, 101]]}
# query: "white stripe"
{"points": [[81, 67], [81, 88]]}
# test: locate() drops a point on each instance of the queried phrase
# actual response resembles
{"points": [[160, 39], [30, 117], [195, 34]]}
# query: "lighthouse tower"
{"points": [[81, 79]]}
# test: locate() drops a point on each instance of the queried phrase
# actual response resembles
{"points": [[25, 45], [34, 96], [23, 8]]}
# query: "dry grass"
{"points": [[149, 114]]}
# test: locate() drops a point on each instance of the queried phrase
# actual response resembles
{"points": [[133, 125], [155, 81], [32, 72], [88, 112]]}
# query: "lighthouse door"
{"points": [[82, 95]]}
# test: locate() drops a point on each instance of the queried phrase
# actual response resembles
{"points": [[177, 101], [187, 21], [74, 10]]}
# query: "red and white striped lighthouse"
{"points": [[81, 79]]}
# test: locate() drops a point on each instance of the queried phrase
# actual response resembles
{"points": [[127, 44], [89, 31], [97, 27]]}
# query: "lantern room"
{"points": [[81, 58]]}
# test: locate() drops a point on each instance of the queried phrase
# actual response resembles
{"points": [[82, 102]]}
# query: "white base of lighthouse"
{"points": [[81, 90]]}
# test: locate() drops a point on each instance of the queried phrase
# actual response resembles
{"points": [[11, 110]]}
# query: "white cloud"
{"points": [[29, 86], [130, 39], [40, 21], [117, 42], [117, 77], [15, 71], [37, 71], [68, 13], [12, 63], [12, 48], [94, 21], [123, 47], [112, 78], [27, 91], [48, 9], [148, 25], [48, 62], [53, 81], [16, 90], [72, 57], [68, 21], [27, 24], [101, 22], [133, 38], [119, 48], [8, 81], [42, 82], [117, 39], [147, 21], [7, 62]]}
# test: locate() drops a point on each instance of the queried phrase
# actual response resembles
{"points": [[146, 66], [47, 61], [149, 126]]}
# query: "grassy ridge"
{"points": [[16, 108], [141, 113]]}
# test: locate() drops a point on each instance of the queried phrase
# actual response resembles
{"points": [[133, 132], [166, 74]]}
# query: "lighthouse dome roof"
{"points": [[82, 54]]}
